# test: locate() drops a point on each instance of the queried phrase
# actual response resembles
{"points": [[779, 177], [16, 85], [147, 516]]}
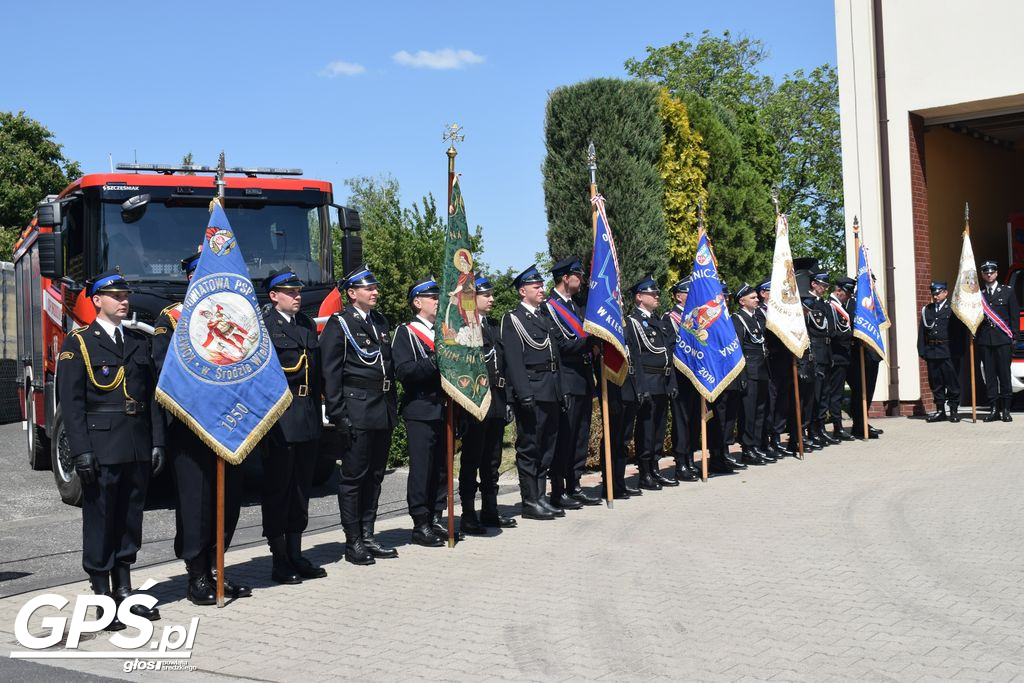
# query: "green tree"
{"points": [[738, 205], [622, 118], [683, 168], [32, 166], [798, 117]]}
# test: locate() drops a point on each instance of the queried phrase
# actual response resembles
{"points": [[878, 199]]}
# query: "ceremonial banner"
{"points": [[603, 318], [459, 340], [222, 376], [869, 319], [966, 300], [785, 315], [707, 349]]}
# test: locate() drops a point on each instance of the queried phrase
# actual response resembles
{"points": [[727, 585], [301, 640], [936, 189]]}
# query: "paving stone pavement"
{"points": [[897, 559]]}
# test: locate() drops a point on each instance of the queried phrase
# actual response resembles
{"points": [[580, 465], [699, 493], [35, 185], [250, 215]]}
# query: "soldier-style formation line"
{"points": [[541, 372]]}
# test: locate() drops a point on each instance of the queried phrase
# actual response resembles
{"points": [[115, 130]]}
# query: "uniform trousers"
{"points": [[287, 480], [427, 489], [944, 380], [995, 361], [570, 457], [649, 437], [685, 412], [621, 421], [857, 391], [536, 436], [195, 480], [834, 392], [753, 406], [360, 476], [783, 411], [481, 457], [112, 516]]}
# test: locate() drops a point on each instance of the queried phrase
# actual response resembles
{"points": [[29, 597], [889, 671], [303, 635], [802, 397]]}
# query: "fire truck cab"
{"points": [[144, 220]]}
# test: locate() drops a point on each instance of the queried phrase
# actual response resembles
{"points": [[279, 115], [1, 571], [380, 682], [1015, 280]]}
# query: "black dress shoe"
{"points": [[356, 552], [581, 496], [543, 503], [648, 483], [839, 433], [939, 416], [376, 550], [663, 480], [721, 466], [685, 474], [763, 454], [439, 528], [233, 590], [620, 495], [493, 519], [423, 534], [632, 490], [1006, 417], [565, 502], [535, 511], [200, 592], [954, 416], [122, 593], [874, 433], [737, 462], [825, 439], [470, 525], [752, 458], [115, 623]]}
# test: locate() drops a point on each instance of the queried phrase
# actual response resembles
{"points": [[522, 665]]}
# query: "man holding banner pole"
{"points": [[869, 325], [995, 338]]}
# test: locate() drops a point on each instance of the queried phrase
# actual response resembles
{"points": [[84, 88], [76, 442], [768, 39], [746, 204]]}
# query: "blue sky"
{"points": [[346, 89]]}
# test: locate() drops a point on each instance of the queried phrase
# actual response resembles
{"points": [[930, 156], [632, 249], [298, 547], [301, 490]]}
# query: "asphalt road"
{"points": [[41, 537]]}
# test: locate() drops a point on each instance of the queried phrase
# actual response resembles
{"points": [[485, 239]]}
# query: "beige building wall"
{"points": [[942, 58]]}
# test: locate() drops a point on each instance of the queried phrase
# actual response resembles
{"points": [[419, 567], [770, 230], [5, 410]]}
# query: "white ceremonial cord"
{"points": [[525, 337]]}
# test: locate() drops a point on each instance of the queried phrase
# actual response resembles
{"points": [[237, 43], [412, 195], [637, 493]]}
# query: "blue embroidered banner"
{"points": [[707, 349], [603, 318], [222, 376], [869, 319]]}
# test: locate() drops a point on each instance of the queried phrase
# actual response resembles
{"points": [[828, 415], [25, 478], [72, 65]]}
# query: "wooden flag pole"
{"points": [[799, 420], [220, 531], [450, 410], [864, 391], [220, 183], [974, 393], [703, 439], [605, 427]]}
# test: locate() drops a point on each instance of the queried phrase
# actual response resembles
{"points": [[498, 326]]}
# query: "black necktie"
{"points": [[292, 321], [119, 340]]}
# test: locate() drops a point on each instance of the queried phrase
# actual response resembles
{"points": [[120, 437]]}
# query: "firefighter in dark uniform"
{"points": [[359, 396], [841, 347], [995, 345], [686, 404], [481, 439], [754, 400], [194, 467], [423, 407], [293, 442], [820, 329], [105, 386], [871, 362], [575, 356], [655, 381], [780, 381], [934, 345], [532, 371]]}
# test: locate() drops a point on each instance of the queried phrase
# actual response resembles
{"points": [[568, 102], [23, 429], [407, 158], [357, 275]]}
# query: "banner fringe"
{"points": [[604, 335], [711, 396], [467, 404]]}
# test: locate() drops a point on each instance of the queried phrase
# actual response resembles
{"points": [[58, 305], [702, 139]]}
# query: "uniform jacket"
{"points": [[842, 332], [494, 357], [629, 391], [298, 349], [1004, 303], [933, 333], [750, 331], [656, 345], [416, 369], [95, 402], [820, 330], [531, 356], [359, 386], [574, 352]]}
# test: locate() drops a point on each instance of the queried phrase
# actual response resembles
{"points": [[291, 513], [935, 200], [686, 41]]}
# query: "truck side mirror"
{"points": [[51, 254], [48, 214]]}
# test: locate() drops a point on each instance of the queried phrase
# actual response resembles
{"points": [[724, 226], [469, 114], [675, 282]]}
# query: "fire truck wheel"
{"points": [[68, 484], [37, 442]]}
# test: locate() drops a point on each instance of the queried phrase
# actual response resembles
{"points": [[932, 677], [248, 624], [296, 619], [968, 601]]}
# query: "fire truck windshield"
{"points": [[150, 248]]}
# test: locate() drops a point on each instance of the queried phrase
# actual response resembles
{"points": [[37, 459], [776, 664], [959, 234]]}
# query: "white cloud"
{"points": [[446, 58], [335, 69]]}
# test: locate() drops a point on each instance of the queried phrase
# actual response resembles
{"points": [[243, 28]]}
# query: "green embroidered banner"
{"points": [[459, 338]]}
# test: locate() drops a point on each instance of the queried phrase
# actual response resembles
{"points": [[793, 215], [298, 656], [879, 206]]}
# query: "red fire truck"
{"points": [[144, 220]]}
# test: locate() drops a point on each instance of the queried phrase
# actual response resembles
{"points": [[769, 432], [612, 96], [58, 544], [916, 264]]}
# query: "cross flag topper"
{"points": [[453, 134]]}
